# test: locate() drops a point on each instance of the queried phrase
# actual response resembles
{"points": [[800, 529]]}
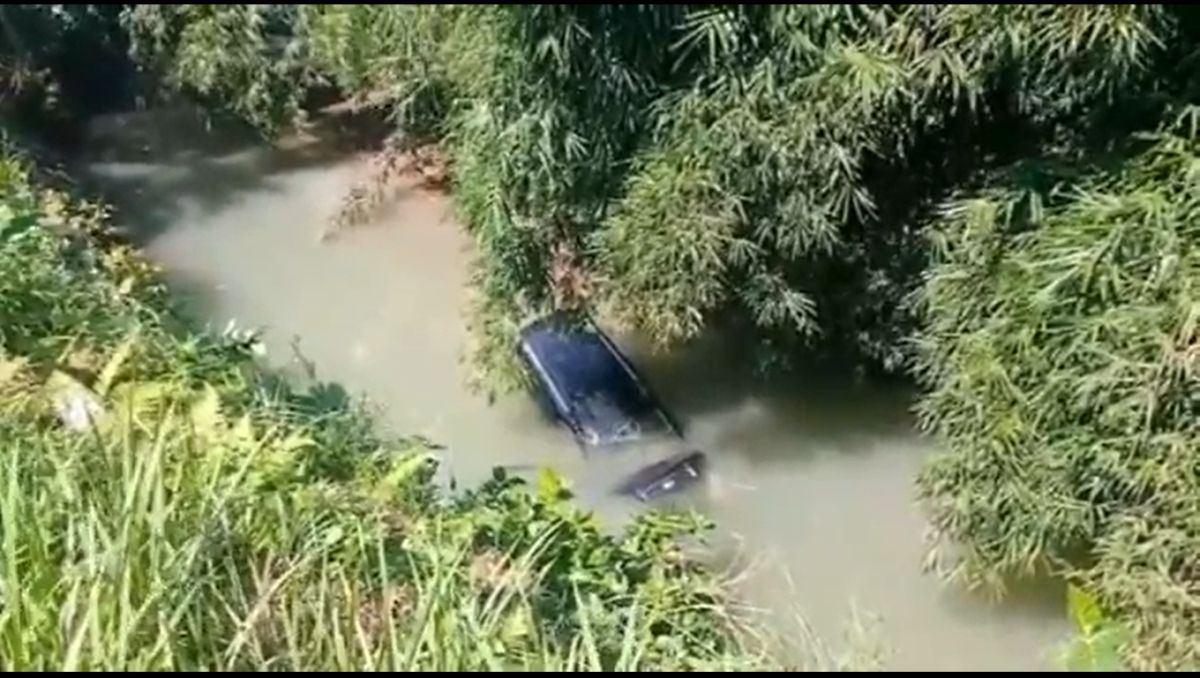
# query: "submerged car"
{"points": [[584, 381], [669, 475]]}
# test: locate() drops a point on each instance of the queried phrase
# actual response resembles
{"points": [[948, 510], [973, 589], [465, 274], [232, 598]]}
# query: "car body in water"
{"points": [[674, 473], [583, 380]]}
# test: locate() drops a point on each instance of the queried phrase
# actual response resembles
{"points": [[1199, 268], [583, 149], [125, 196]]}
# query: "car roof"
{"points": [[590, 384]]}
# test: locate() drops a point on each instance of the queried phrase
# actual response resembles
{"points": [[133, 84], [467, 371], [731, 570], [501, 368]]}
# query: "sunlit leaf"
{"points": [[1085, 610], [550, 485]]}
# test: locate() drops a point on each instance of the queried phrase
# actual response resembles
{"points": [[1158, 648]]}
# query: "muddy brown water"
{"points": [[812, 479]]}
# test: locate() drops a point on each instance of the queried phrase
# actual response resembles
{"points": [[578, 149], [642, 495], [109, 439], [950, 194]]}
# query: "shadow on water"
{"points": [[153, 165], [824, 405]]}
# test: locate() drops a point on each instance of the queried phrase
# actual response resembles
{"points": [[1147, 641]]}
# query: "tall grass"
{"points": [[138, 549], [207, 518]]}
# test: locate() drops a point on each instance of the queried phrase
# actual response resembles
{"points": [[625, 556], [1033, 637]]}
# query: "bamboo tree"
{"points": [[1063, 373]]}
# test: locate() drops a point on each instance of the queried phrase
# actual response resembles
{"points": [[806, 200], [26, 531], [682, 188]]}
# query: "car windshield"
{"points": [[591, 385]]}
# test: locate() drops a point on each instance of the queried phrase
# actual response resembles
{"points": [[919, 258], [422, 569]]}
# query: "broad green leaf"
{"points": [[550, 485], [1085, 610], [403, 469], [1097, 652]]}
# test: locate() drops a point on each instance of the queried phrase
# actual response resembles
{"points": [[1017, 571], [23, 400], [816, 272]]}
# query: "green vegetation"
{"points": [[998, 201], [680, 166], [59, 63], [165, 505], [1076, 343], [1100, 641]]}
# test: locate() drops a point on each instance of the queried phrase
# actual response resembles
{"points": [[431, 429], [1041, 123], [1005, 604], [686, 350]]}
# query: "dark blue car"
{"points": [[583, 380]]}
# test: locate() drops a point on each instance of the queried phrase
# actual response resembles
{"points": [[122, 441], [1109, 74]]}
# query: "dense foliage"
{"points": [[839, 180], [680, 166], [166, 506], [59, 63], [258, 71], [1067, 384]]}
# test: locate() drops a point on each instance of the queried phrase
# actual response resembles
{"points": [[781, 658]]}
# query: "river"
{"points": [[815, 476]]}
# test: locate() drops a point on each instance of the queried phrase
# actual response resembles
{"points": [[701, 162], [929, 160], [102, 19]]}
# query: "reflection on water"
{"points": [[811, 478]]}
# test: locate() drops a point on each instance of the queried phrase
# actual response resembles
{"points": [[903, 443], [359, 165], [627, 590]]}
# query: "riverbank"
{"points": [[167, 505]]}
